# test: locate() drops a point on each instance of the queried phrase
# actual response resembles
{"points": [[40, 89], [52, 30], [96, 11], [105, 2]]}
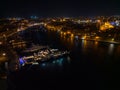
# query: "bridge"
{"points": [[9, 33]]}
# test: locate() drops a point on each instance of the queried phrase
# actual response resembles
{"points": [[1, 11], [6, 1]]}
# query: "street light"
{"points": [[0, 43], [4, 54], [112, 39]]}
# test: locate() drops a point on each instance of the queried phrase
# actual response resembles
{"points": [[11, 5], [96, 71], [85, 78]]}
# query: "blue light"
{"points": [[58, 61], [61, 62], [21, 61], [61, 59], [33, 17], [113, 23], [43, 64], [53, 62]]}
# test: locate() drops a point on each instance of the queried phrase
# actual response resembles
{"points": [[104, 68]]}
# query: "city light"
{"points": [[4, 54], [105, 26], [72, 35], [112, 39], [1, 43], [97, 38]]}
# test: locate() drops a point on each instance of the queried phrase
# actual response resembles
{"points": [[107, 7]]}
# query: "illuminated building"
{"points": [[105, 26]]}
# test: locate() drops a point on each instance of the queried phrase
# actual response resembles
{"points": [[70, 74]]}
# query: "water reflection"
{"points": [[111, 48], [84, 45], [58, 63], [71, 40], [67, 38], [92, 49], [76, 43], [96, 43]]}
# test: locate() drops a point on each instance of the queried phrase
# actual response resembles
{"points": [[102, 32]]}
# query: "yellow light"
{"points": [[112, 39], [98, 21], [72, 35], [45, 24], [96, 42], [84, 37], [64, 33], [68, 32], [4, 54], [97, 37], [61, 32], [107, 25]]}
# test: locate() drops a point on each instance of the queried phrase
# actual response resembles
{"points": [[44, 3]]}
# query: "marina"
{"points": [[41, 54]]}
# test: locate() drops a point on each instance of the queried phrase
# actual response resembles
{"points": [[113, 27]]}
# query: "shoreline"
{"points": [[104, 41]]}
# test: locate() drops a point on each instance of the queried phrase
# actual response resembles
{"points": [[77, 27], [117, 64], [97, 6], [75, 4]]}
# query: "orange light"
{"points": [[64, 33], [97, 37], [0, 43], [107, 25], [84, 37], [68, 32], [72, 35]]}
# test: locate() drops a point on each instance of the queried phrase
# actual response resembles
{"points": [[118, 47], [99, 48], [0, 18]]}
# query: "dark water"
{"points": [[91, 65]]}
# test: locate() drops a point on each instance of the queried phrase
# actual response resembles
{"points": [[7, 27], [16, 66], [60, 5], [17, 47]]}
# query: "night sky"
{"points": [[52, 8]]}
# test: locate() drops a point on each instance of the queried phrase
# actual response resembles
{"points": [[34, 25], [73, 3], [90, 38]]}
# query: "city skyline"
{"points": [[58, 52]]}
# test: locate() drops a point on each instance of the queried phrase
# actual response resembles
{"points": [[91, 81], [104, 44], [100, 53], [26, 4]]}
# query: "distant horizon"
{"points": [[59, 8], [56, 16]]}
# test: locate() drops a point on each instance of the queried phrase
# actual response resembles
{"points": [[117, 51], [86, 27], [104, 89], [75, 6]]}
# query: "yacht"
{"points": [[43, 55]]}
